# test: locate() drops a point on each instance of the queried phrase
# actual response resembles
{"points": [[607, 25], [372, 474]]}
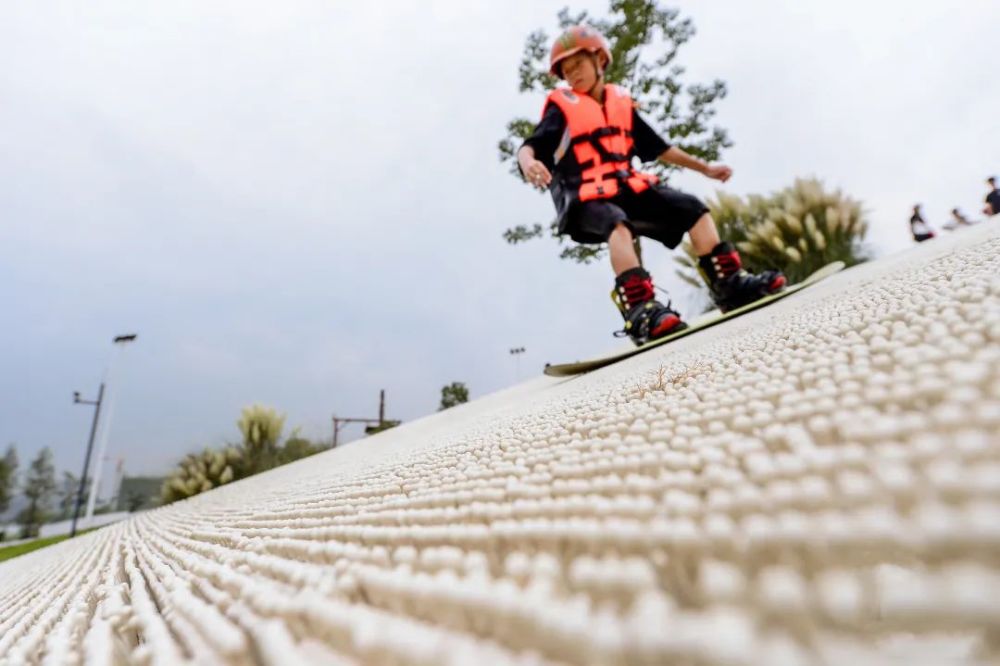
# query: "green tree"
{"points": [[453, 394], [39, 485], [8, 477], [645, 39], [296, 447], [797, 230], [68, 489], [134, 501]]}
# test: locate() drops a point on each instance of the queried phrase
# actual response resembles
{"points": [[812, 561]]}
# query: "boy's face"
{"points": [[580, 72]]}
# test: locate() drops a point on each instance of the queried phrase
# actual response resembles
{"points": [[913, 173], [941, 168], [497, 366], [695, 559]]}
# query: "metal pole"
{"points": [[102, 445], [86, 460], [381, 407], [516, 353], [117, 349], [119, 476]]}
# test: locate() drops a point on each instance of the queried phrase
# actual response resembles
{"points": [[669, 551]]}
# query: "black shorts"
{"points": [[660, 213]]}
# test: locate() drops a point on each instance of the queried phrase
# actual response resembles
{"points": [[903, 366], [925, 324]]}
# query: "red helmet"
{"points": [[575, 39]]}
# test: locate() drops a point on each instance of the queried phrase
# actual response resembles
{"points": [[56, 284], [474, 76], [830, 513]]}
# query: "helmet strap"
{"points": [[598, 67], [599, 70]]}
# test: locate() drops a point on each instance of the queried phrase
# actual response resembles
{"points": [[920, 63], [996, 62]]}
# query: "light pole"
{"points": [[119, 341], [117, 484], [516, 353], [90, 445]]}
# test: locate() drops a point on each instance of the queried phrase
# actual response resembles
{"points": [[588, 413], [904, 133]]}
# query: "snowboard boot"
{"points": [[730, 284], [645, 318]]}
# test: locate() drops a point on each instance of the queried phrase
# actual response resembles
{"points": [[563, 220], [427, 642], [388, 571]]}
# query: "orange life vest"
{"points": [[601, 139]]}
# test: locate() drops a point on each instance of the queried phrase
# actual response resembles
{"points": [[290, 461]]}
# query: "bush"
{"points": [[297, 447], [797, 230], [261, 428], [260, 451], [203, 471]]}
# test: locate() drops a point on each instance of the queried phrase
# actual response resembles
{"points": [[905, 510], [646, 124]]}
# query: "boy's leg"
{"points": [[730, 284], [645, 317], [666, 214], [621, 247], [704, 235], [605, 221]]}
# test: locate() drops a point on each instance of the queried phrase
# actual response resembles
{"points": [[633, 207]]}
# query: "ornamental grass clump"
{"points": [[797, 230]]}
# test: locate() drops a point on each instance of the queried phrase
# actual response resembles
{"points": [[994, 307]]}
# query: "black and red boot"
{"points": [[731, 285], [645, 318]]}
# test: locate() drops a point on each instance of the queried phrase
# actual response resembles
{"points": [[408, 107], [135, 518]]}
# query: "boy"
{"points": [[582, 151]]}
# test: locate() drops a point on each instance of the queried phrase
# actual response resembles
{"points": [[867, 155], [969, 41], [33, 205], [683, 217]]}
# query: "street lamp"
{"points": [[516, 353], [77, 400], [92, 495]]}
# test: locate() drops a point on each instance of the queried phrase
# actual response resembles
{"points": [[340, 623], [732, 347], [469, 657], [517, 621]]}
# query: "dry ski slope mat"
{"points": [[822, 487]]}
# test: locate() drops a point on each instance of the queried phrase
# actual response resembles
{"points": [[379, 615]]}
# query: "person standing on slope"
{"points": [[918, 226], [582, 151], [992, 206]]}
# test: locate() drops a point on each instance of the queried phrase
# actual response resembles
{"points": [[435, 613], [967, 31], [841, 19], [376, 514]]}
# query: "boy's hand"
{"points": [[536, 173], [718, 172]]}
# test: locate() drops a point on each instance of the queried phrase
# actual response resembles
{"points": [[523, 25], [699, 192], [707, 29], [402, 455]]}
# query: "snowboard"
{"points": [[580, 367]]}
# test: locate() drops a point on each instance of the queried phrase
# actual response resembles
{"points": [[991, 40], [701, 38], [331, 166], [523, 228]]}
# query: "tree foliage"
{"points": [[8, 477], [259, 451], [453, 394], [135, 501], [296, 447], [39, 485], [645, 39], [68, 489]]}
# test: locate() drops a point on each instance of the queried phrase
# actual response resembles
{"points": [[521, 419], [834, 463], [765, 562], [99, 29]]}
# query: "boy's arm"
{"points": [[524, 154], [649, 146], [533, 170], [535, 156], [674, 155]]}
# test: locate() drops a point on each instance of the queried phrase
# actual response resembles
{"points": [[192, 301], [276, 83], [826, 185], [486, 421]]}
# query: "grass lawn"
{"points": [[22, 548]]}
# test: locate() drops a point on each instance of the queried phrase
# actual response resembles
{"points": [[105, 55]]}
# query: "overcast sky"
{"points": [[300, 203]]}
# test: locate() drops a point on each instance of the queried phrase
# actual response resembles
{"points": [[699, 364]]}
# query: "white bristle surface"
{"points": [[815, 482]]}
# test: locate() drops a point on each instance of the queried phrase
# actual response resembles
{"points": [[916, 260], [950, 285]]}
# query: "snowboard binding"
{"points": [[645, 318]]}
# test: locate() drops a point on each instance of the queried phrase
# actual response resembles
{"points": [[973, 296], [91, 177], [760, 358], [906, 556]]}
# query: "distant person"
{"points": [[993, 198], [918, 226], [959, 219]]}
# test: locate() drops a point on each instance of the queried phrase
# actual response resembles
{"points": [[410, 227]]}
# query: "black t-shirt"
{"points": [[647, 145], [993, 199]]}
